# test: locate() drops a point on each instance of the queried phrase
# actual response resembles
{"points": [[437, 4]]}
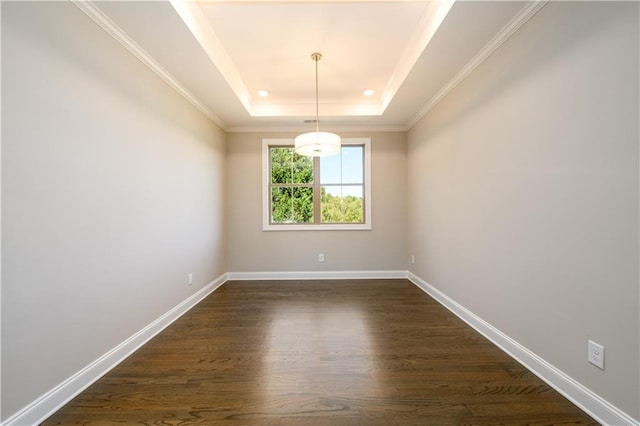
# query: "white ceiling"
{"points": [[220, 54]]}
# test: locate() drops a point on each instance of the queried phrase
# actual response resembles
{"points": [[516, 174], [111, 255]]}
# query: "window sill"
{"points": [[327, 227]]}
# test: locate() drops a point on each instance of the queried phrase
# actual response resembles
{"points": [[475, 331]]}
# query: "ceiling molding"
{"points": [[216, 51], [307, 109], [310, 1], [502, 36], [197, 23], [202, 30], [299, 129], [93, 12], [427, 27]]}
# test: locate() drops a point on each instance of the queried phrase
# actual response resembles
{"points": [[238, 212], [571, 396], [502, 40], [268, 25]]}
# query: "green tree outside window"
{"points": [[337, 181]]}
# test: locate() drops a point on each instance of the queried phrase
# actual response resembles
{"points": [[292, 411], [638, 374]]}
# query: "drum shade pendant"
{"points": [[317, 144]]}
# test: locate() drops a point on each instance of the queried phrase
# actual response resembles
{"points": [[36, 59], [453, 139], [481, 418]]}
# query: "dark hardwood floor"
{"points": [[367, 352]]}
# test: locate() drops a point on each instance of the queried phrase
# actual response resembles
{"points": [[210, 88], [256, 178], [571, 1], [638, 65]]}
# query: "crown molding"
{"points": [[299, 129], [308, 109], [197, 23], [527, 12], [422, 38], [111, 28], [429, 23]]}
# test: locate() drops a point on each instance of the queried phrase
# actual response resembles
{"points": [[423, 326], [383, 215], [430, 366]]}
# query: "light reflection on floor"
{"points": [[324, 352]]}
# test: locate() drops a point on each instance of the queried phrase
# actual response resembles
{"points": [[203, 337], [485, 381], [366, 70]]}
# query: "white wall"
{"points": [[521, 187], [112, 191], [523, 192], [252, 250]]}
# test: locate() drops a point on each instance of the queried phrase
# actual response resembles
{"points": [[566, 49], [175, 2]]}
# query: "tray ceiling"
{"points": [[221, 54]]}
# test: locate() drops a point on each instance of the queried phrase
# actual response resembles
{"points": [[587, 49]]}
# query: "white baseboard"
{"points": [[591, 403], [49, 403], [317, 275], [588, 401]]}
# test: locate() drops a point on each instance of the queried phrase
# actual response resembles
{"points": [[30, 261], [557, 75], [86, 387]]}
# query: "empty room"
{"points": [[259, 212]]}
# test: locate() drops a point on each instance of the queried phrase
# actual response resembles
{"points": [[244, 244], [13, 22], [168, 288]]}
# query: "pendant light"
{"points": [[317, 144]]}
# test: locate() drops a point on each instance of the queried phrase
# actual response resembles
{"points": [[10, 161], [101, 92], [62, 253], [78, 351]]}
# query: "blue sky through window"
{"points": [[344, 168]]}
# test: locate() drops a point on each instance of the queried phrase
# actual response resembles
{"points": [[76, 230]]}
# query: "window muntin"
{"points": [[316, 193]]}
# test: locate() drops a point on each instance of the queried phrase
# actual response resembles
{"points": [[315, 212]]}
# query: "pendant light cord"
{"points": [[316, 57], [316, 144]]}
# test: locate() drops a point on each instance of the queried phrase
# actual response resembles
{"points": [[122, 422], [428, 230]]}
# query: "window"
{"points": [[311, 193]]}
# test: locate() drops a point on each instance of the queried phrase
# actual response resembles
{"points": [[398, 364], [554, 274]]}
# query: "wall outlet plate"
{"points": [[595, 354]]}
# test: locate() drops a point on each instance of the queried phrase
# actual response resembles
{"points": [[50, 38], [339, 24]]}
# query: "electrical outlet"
{"points": [[189, 279], [595, 354], [413, 259], [321, 257]]}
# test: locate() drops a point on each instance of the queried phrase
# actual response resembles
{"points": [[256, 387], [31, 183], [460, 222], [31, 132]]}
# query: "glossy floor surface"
{"points": [[368, 352]]}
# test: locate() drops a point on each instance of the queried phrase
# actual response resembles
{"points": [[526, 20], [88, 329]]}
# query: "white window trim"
{"points": [[366, 226]]}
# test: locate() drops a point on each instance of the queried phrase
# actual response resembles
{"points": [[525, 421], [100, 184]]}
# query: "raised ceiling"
{"points": [[221, 54]]}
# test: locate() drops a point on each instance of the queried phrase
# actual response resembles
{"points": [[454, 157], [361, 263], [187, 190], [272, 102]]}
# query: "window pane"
{"points": [[281, 207], [291, 205], [303, 169], [289, 167], [342, 204], [344, 167], [352, 164], [330, 169], [281, 165]]}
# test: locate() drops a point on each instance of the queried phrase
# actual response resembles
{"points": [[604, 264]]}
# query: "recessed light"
{"points": [[263, 93], [369, 92]]}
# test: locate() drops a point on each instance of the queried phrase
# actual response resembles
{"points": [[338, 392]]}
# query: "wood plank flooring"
{"points": [[334, 352]]}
